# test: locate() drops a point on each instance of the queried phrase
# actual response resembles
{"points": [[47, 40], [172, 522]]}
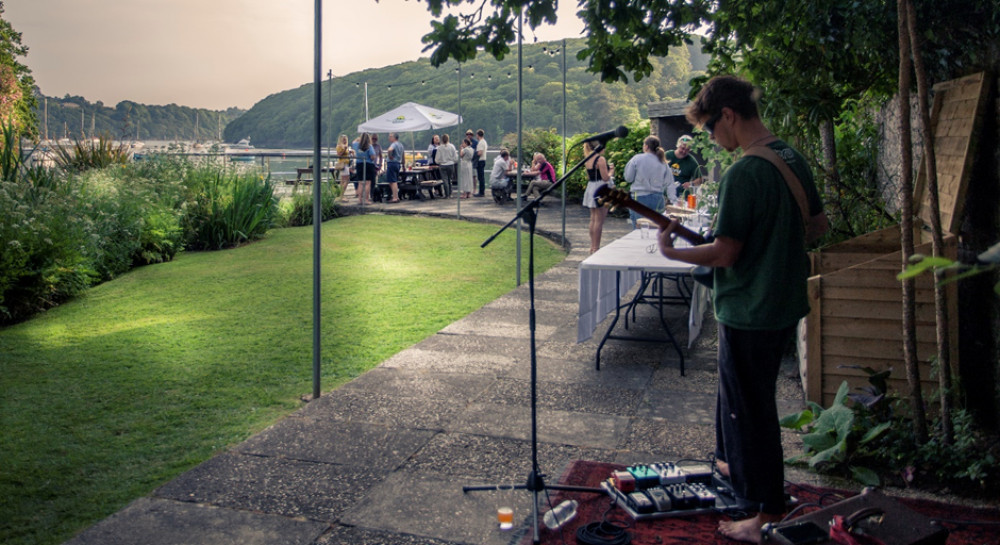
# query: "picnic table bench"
{"points": [[308, 171]]}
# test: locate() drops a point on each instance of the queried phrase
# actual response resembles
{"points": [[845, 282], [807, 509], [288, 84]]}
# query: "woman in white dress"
{"points": [[465, 156]]}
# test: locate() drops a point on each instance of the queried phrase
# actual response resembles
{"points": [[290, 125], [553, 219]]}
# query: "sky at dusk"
{"points": [[217, 53]]}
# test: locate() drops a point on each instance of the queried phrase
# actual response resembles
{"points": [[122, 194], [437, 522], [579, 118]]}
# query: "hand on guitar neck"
{"points": [[617, 197]]}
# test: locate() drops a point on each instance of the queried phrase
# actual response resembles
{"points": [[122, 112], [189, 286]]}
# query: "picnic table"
{"points": [[415, 180], [308, 171]]}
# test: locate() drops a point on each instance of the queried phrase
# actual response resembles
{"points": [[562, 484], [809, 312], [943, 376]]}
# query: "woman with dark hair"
{"points": [[599, 173], [650, 177], [364, 156]]}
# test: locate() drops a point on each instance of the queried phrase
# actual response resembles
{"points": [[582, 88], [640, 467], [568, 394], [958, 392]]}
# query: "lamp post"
{"points": [[520, 67], [317, 218], [563, 187], [458, 201], [329, 135]]}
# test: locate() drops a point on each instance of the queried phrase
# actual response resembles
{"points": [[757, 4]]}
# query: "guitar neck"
{"points": [[662, 221]]}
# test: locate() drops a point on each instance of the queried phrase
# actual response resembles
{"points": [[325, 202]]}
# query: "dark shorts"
{"points": [[392, 172], [366, 172]]}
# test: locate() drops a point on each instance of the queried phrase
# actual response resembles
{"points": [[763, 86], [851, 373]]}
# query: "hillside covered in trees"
{"points": [[488, 96], [74, 117]]}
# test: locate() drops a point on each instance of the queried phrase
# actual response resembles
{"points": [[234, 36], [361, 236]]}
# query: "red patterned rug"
{"points": [[700, 529]]}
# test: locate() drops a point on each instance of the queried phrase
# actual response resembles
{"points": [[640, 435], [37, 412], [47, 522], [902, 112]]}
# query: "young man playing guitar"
{"points": [[759, 290]]}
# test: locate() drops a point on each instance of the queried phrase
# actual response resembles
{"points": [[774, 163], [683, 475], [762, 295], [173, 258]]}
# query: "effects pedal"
{"points": [[705, 497], [644, 476], [698, 473], [623, 481], [669, 473], [641, 503], [661, 500], [681, 497]]}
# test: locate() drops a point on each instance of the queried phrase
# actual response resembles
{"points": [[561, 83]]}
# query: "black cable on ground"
{"points": [[603, 533], [606, 532]]}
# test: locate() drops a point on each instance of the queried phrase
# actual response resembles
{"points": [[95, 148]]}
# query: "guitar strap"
{"points": [[793, 182]]}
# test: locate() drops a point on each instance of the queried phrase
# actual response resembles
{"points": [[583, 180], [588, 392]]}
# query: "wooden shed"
{"points": [[855, 298]]}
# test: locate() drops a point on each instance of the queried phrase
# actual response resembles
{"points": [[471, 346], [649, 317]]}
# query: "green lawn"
{"points": [[112, 394]]}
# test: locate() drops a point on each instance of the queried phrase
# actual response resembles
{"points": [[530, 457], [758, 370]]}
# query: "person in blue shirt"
{"points": [[650, 177], [365, 166]]}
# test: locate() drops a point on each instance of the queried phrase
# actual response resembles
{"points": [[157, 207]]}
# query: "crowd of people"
{"points": [[655, 176]]}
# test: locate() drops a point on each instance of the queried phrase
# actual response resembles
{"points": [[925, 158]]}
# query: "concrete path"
{"points": [[382, 460]]}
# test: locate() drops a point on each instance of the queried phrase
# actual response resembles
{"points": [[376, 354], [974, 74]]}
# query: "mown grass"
{"points": [[112, 394]]}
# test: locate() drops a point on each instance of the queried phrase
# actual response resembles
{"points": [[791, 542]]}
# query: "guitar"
{"points": [[618, 197]]}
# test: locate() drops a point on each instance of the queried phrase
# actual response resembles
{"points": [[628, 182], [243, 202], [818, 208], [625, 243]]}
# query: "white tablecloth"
{"points": [[629, 256]]}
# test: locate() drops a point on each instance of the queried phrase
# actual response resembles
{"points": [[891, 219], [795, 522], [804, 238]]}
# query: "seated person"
{"points": [[546, 176], [500, 176]]}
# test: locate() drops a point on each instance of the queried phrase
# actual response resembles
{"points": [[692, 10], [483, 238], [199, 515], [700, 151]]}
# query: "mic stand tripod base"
{"points": [[535, 484]]}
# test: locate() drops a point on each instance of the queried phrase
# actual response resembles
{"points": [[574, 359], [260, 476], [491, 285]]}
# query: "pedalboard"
{"points": [[668, 489]]}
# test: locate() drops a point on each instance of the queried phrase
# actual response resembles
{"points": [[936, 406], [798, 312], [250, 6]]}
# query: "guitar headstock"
{"points": [[609, 195]]}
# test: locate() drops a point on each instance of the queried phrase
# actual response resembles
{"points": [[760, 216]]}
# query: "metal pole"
{"points": [[564, 143], [329, 134], [458, 201], [519, 79], [317, 209]]}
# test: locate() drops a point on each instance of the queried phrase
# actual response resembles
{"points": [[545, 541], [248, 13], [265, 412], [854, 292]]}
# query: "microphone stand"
{"points": [[536, 480]]}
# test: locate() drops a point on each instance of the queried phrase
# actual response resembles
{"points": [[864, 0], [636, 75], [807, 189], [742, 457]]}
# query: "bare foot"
{"points": [[747, 530], [723, 467]]}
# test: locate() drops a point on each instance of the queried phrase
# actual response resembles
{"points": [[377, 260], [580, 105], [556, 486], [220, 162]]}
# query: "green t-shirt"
{"points": [[766, 287], [685, 169]]}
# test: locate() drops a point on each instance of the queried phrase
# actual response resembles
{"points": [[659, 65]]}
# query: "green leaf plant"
{"points": [[834, 436], [986, 261]]}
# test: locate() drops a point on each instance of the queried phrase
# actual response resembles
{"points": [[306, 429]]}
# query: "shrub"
{"points": [[868, 435], [230, 209], [43, 259], [87, 154], [300, 210]]}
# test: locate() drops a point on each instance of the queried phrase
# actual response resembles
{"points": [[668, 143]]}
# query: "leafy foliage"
{"points": [[87, 154], [63, 231], [867, 434], [231, 209], [16, 82], [300, 210], [834, 437]]}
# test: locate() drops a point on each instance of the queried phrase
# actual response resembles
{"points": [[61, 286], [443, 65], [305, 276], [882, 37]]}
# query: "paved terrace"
{"points": [[382, 460]]}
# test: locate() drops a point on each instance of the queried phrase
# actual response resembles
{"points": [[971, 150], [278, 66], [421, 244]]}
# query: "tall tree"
{"points": [[17, 98]]}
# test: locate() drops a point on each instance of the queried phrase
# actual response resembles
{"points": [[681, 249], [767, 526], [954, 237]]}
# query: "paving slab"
{"points": [[441, 359], [565, 427], [436, 507], [483, 459], [564, 396], [277, 486], [151, 521], [349, 443]]}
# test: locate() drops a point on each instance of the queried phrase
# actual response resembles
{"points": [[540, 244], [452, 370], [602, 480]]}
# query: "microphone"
{"points": [[603, 137]]}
